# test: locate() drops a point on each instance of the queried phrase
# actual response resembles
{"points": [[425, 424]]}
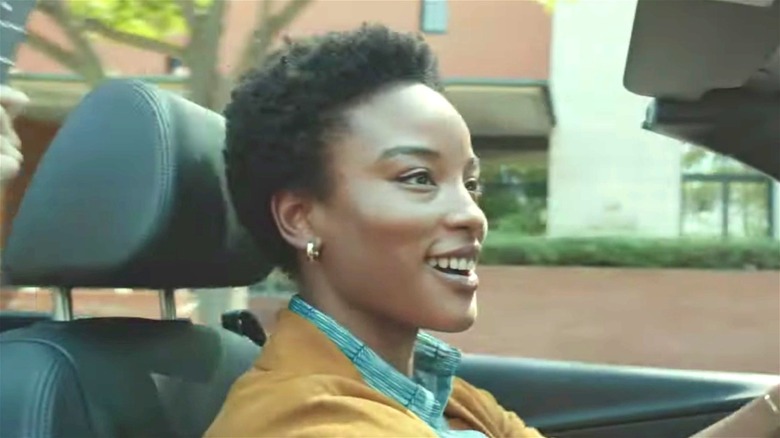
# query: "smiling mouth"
{"points": [[453, 265]]}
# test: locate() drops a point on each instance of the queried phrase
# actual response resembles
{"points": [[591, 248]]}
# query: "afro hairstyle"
{"points": [[284, 113]]}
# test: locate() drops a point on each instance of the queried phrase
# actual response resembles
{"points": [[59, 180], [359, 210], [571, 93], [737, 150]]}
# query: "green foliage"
{"points": [[498, 202], [549, 5], [148, 18], [512, 249], [754, 205], [750, 199], [529, 219], [699, 159], [517, 200], [701, 196]]}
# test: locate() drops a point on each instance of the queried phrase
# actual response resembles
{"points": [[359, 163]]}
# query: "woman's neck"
{"points": [[393, 343]]}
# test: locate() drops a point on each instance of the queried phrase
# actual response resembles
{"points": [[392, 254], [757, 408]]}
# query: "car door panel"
{"points": [[569, 399], [682, 427]]}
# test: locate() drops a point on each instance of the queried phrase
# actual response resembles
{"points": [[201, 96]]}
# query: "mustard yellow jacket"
{"points": [[303, 386]]}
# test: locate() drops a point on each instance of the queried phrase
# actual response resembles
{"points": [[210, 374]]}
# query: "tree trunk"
{"points": [[207, 86], [221, 95], [211, 89], [205, 83], [202, 56], [82, 59], [266, 31]]}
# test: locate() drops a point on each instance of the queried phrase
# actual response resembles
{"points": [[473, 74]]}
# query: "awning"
{"points": [[52, 96], [493, 109], [503, 108]]}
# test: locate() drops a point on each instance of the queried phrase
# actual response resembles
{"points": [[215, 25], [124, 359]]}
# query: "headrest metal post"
{"points": [[168, 304], [63, 304]]}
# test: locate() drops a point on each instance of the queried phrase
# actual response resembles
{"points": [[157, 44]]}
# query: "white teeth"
{"points": [[460, 264]]}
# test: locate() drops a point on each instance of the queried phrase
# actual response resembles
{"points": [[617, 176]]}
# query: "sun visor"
{"points": [[739, 123], [682, 49]]}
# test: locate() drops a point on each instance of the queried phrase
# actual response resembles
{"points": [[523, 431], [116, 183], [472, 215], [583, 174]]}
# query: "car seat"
{"points": [[14, 319], [130, 194]]}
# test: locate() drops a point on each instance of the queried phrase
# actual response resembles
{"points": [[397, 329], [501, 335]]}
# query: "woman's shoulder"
{"points": [[482, 408], [264, 403]]}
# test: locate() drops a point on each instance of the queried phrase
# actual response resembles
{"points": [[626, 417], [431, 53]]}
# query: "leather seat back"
{"points": [[117, 377], [130, 194], [14, 319]]}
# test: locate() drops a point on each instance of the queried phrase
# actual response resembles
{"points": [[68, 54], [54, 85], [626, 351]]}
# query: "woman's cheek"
{"points": [[385, 210]]}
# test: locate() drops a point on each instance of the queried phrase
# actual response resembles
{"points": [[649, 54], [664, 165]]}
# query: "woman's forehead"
{"points": [[407, 116], [403, 103]]}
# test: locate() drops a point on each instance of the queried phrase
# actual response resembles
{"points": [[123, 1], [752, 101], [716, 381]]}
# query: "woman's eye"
{"points": [[418, 178], [474, 186]]}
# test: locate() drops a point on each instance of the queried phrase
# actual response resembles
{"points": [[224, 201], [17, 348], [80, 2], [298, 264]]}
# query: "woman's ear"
{"points": [[291, 214]]}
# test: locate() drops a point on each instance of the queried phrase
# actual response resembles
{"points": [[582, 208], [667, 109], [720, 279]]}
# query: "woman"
{"points": [[358, 178]]}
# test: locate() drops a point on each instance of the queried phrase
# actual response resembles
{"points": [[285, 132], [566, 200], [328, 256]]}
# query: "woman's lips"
{"points": [[466, 282]]}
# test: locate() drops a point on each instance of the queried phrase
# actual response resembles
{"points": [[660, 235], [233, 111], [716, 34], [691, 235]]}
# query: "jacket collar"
{"points": [[298, 347]]}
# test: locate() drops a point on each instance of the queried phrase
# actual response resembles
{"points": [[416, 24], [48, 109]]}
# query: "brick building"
{"points": [[494, 55]]}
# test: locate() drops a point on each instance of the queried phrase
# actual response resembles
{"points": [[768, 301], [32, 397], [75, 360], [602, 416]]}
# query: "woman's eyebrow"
{"points": [[418, 151], [473, 164]]}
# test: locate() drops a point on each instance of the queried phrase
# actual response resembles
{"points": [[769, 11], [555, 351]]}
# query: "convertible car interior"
{"points": [[131, 194], [713, 69], [134, 179]]}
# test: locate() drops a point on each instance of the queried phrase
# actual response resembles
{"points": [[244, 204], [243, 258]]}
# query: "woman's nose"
{"points": [[465, 214]]}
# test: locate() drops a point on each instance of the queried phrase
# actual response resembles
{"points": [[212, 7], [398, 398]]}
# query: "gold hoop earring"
{"points": [[313, 250]]}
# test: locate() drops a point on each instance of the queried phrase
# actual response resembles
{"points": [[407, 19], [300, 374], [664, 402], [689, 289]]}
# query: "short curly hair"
{"points": [[284, 113]]}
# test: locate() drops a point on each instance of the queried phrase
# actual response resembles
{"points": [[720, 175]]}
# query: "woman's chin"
{"points": [[460, 326], [454, 323]]}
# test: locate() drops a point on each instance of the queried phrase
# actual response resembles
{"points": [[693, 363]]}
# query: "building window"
{"points": [[434, 16], [175, 67], [172, 64]]}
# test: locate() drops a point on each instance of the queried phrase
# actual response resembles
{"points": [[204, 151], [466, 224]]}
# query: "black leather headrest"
{"points": [[131, 193]]}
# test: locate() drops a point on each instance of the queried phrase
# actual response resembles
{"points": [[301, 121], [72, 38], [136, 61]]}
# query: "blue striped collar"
{"points": [[426, 394]]}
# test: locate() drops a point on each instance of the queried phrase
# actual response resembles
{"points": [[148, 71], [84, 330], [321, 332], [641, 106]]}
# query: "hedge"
{"points": [[509, 249], [514, 249]]}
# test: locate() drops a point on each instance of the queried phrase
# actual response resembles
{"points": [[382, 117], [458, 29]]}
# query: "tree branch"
{"points": [[188, 12], [265, 32], [134, 40], [89, 64], [50, 7], [202, 54], [264, 13], [290, 11], [55, 10], [54, 51]]}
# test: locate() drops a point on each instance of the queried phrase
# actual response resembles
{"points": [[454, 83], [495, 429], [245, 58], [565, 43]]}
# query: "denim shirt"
{"points": [[426, 394]]}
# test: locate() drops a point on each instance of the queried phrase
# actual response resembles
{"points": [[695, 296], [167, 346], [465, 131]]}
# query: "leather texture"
{"points": [[131, 193], [14, 319], [117, 377]]}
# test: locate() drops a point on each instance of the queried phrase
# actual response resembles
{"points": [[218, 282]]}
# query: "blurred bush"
{"points": [[508, 248], [276, 283], [498, 202], [503, 248], [530, 219], [515, 200]]}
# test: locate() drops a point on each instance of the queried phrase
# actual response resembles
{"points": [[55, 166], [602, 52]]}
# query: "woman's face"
{"points": [[401, 231]]}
